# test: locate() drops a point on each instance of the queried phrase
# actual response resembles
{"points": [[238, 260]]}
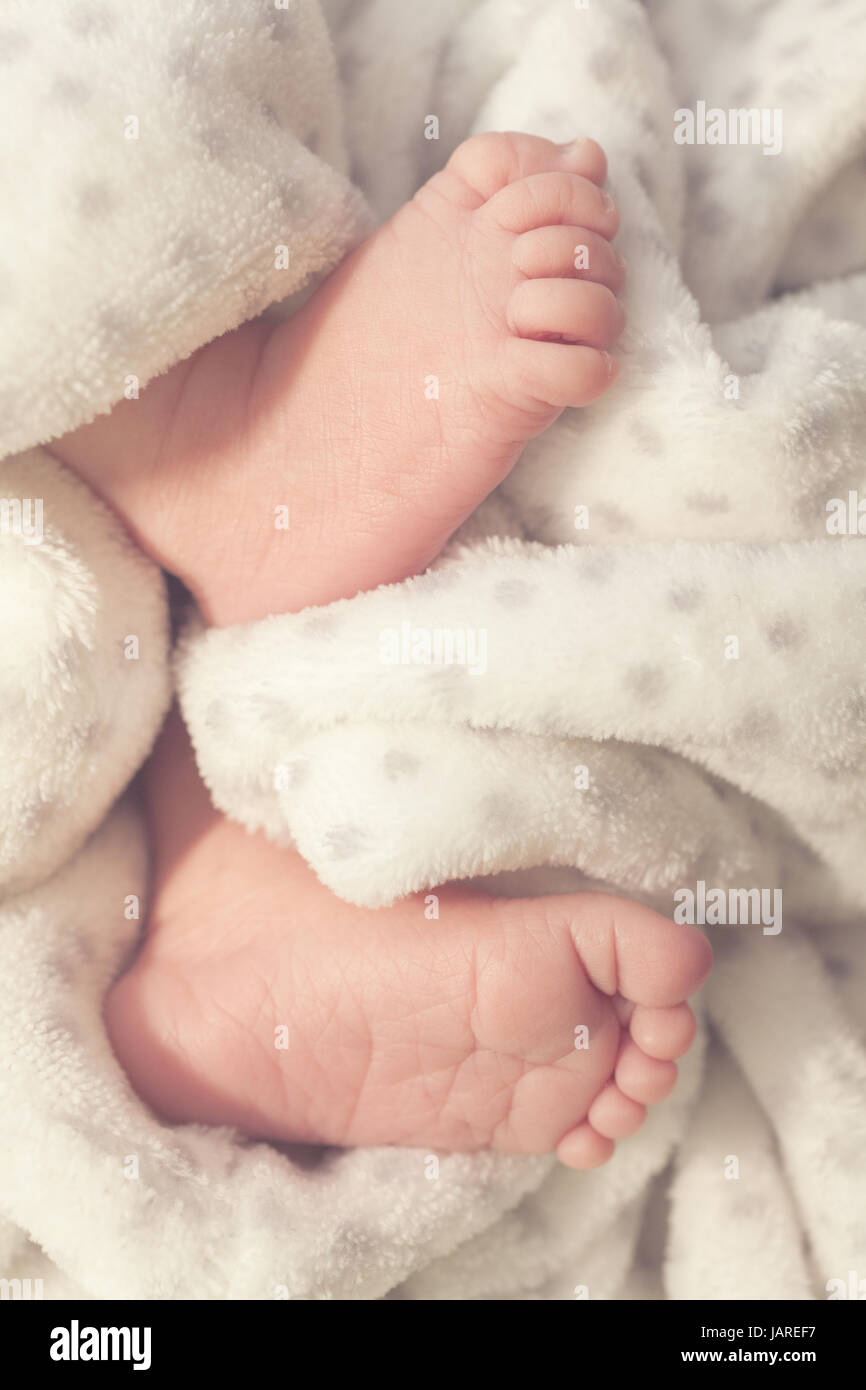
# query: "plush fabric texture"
{"points": [[659, 644]]}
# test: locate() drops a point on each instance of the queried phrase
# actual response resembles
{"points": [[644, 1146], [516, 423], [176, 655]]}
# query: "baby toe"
{"points": [[559, 374], [663, 1033], [573, 252], [569, 311], [552, 199], [644, 1079], [584, 1148], [490, 161], [614, 1115]]}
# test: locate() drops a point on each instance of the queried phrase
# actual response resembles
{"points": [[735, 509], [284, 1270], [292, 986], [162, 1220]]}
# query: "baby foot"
{"points": [[391, 404], [261, 1001]]}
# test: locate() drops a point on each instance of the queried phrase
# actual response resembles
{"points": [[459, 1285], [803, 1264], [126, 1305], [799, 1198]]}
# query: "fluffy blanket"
{"points": [[639, 666]]}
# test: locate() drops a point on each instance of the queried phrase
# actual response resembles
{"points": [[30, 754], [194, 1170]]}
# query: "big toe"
{"points": [[663, 1033], [487, 162], [629, 949], [662, 964]]}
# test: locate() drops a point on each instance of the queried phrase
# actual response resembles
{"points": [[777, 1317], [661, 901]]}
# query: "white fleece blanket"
{"points": [[659, 674]]}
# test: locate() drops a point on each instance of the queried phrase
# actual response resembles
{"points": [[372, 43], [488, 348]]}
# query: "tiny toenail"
{"points": [[607, 201], [610, 363], [572, 149], [621, 261]]}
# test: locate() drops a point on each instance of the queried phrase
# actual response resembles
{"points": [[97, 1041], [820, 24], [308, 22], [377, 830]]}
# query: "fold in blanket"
{"points": [[639, 665]]}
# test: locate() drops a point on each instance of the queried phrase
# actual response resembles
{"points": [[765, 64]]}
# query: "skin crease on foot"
{"points": [[522, 1025], [466, 1032], [475, 280]]}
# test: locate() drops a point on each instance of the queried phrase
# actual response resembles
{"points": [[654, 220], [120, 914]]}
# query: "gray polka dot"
{"points": [[797, 87], [831, 771], [513, 593], [696, 179], [12, 44], [552, 122], [500, 813], [711, 218], [605, 63], [744, 94], [67, 961], [647, 438], [269, 706], [784, 633], [686, 597], [216, 717], [345, 841], [711, 502], [216, 142], [706, 866], [759, 725], [794, 49], [447, 681], [646, 680], [815, 430], [655, 356], [193, 246], [95, 200], [32, 815], [69, 92], [90, 21], [291, 197], [854, 708], [747, 1206], [435, 581], [119, 325], [614, 518], [727, 941], [285, 23], [272, 1212], [810, 508], [253, 297], [539, 519], [398, 763], [837, 967], [321, 624], [597, 565]]}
